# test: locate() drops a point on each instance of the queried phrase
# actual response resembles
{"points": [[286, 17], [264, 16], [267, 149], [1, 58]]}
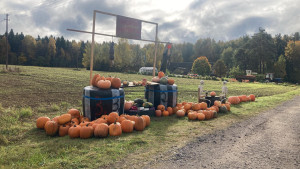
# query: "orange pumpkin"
{"points": [[112, 117], [161, 74], [161, 107], [147, 119], [170, 110], [252, 97], [171, 81], [115, 129], [64, 118], [180, 113], [196, 107], [63, 130], [127, 126], [203, 106], [192, 115], [94, 80], [165, 113], [243, 98], [55, 119], [104, 84], [158, 113], [139, 124], [101, 130], [212, 94], [128, 105], [200, 116], [217, 103], [86, 131], [187, 107], [108, 78], [51, 128], [41, 121], [116, 83], [234, 99], [74, 131], [74, 113]]}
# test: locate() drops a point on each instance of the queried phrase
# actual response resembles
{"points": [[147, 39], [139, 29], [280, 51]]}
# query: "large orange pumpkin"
{"points": [[252, 97], [139, 124], [112, 117], [86, 131], [234, 99], [161, 107], [63, 130], [115, 129], [158, 113], [74, 113], [161, 74], [200, 116], [116, 83], [101, 130], [74, 131], [192, 115], [41, 121], [127, 126], [64, 118], [146, 119], [203, 106], [95, 78], [51, 128], [212, 94], [180, 113], [104, 84]]}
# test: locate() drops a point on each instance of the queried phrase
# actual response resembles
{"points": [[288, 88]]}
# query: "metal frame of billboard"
{"points": [[94, 33]]}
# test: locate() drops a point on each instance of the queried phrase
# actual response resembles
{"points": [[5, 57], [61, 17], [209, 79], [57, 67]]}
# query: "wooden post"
{"points": [[92, 49], [154, 62]]}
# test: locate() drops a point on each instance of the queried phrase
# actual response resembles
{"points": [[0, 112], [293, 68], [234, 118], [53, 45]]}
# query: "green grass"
{"points": [[37, 91]]}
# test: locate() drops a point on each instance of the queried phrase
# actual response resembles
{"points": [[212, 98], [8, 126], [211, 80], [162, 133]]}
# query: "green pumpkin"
{"points": [[223, 109], [163, 81]]}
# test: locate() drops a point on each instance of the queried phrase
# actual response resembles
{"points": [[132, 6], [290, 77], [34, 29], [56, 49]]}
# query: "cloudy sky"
{"points": [[179, 20]]}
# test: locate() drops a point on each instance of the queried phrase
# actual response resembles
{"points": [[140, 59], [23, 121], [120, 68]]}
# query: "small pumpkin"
{"points": [[74, 113], [234, 100], [64, 118], [112, 117], [41, 121], [171, 81], [161, 107], [86, 131], [139, 123], [200, 116], [115, 129], [192, 115], [128, 105], [146, 119], [212, 94], [101, 130], [116, 83], [158, 113], [165, 113], [155, 79], [104, 84], [170, 110], [51, 128], [252, 97], [75, 121], [161, 74], [63, 130], [196, 107], [94, 80], [127, 126], [74, 131], [180, 113]]}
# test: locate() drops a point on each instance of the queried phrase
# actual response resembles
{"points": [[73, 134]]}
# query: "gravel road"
{"points": [[268, 140]]}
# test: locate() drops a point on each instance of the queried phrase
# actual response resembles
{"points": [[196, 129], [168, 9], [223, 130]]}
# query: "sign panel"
{"points": [[128, 28]]}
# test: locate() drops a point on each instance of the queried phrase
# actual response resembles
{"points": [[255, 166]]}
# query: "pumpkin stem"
{"points": [[87, 124]]}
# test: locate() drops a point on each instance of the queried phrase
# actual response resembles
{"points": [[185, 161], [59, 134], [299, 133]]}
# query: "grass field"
{"points": [[38, 91]]}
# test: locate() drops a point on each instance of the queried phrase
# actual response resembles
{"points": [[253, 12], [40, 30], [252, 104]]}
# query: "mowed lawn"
{"points": [[39, 91]]}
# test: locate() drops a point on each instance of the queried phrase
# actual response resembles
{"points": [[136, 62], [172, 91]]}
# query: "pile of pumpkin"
{"points": [[241, 98], [162, 79], [77, 126], [106, 82], [194, 111]]}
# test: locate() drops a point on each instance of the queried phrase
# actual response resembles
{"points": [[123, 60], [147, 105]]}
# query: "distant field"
{"points": [[39, 91]]}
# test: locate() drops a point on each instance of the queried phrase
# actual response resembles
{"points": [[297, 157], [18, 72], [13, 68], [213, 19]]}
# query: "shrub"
{"points": [[220, 68], [201, 66], [25, 112], [235, 71]]}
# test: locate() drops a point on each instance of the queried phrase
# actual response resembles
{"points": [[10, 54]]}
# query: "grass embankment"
{"points": [[52, 91]]}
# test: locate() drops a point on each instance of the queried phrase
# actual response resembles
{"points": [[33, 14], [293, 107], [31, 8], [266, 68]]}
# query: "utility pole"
{"points": [[6, 41]]}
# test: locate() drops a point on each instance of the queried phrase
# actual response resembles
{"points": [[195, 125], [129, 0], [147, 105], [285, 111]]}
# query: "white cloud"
{"points": [[179, 21]]}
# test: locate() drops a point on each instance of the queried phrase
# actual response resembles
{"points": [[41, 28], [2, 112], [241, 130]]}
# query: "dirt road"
{"points": [[269, 140]]}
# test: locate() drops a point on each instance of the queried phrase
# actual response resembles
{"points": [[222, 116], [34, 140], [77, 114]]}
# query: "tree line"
{"points": [[260, 52]]}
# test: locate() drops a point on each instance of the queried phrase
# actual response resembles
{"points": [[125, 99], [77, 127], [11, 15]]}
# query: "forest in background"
{"points": [[261, 53]]}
